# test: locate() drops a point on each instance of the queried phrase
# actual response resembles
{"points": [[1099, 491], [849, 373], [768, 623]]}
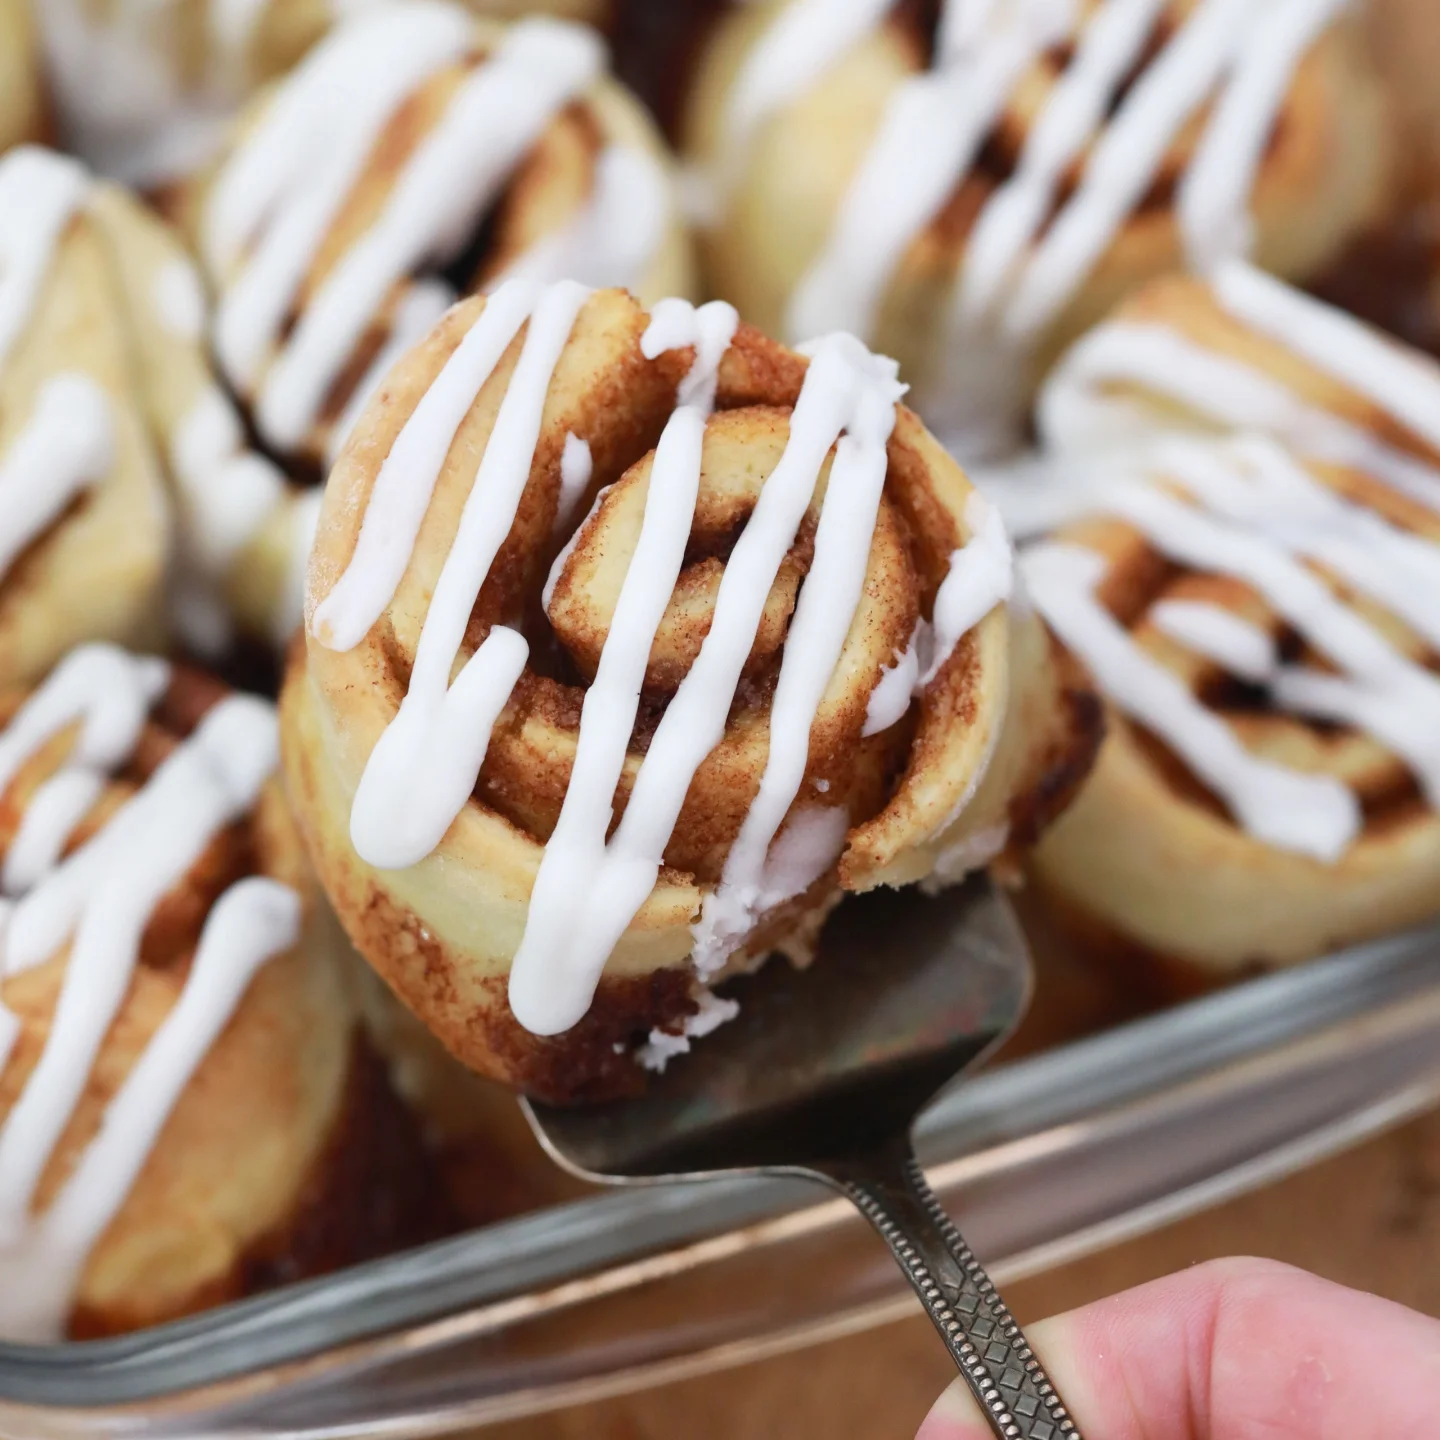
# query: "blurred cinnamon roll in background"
{"points": [[84, 521], [186, 1110], [970, 185], [145, 89], [22, 102], [416, 154], [1244, 490], [732, 638]]}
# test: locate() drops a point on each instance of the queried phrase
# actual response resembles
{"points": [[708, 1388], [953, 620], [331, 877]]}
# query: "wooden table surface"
{"points": [[1370, 1218]]}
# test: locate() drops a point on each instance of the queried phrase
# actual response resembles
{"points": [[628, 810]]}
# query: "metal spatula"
{"points": [[822, 1075]]}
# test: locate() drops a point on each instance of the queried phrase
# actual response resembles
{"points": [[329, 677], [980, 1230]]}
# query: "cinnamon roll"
{"points": [[970, 186], [85, 530], [146, 89], [22, 109], [417, 152], [1246, 553], [180, 1083], [633, 641]]}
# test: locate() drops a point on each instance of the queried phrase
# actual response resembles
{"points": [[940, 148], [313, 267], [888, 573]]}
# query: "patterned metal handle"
{"points": [[1003, 1374]]}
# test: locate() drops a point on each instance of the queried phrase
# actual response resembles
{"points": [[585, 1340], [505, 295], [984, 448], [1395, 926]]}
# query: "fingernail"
{"points": [[954, 1417]]}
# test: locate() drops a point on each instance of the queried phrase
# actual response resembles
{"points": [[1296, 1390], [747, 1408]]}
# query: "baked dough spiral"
{"points": [[85, 518], [22, 106], [178, 1036], [698, 697], [970, 186], [1252, 569]]}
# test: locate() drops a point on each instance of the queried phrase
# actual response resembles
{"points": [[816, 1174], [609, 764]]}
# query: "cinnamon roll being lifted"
{"points": [[1251, 569], [970, 185], [732, 638], [185, 1110]]}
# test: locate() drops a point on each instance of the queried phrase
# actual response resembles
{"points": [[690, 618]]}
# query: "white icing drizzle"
{"points": [[402, 490], [615, 236], [1215, 189], [1312, 815], [1399, 382], [896, 687], [1231, 641], [1078, 410], [253, 921], [576, 468], [105, 690], [305, 521], [67, 446], [122, 100], [846, 392], [418, 313], [287, 194], [228, 489], [426, 763], [806, 40], [55, 809], [1018, 273], [40, 193], [575, 855], [929, 138], [99, 900], [180, 299], [277, 197], [663, 1046], [980, 578]]}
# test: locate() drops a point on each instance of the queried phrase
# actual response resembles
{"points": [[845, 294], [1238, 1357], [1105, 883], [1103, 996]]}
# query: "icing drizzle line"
{"points": [[99, 900], [1019, 273], [425, 765]]}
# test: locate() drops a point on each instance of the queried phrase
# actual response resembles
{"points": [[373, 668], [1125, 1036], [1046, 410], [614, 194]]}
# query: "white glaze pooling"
{"points": [[279, 196], [1026, 260], [99, 900]]}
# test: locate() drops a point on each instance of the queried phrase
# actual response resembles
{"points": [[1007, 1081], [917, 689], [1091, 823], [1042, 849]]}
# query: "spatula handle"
{"points": [[1003, 1374]]}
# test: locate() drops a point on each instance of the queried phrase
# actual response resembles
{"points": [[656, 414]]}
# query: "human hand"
{"points": [[1232, 1350]]}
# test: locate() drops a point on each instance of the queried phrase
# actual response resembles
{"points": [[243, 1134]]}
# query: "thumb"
{"points": [[1231, 1349]]}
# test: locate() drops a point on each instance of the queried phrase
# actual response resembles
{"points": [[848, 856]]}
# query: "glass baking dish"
{"points": [[1044, 1159]]}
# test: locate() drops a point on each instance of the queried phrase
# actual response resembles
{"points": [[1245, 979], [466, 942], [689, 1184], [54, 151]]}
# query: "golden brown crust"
{"points": [[1001, 728]]}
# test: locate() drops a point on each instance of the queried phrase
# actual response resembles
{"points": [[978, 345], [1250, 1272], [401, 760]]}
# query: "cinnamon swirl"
{"points": [[971, 185], [417, 152], [698, 696], [1251, 568], [85, 530], [178, 1061]]}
